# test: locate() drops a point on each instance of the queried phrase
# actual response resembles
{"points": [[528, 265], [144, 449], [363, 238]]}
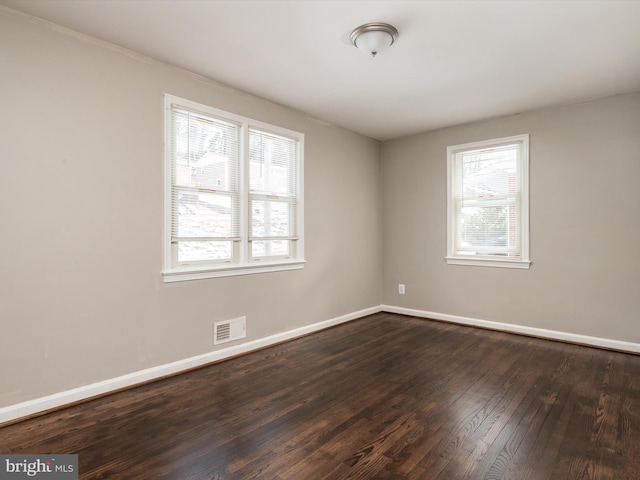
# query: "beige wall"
{"points": [[81, 295], [584, 221]]}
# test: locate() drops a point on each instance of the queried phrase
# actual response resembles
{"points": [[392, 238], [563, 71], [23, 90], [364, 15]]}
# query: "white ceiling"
{"points": [[454, 61]]}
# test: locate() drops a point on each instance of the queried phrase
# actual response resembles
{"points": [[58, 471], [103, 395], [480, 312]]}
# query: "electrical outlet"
{"points": [[401, 289]]}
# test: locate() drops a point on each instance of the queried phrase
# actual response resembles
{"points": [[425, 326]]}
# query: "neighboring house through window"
{"points": [[233, 194], [488, 203]]}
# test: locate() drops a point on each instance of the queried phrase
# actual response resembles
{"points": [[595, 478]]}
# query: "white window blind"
{"points": [[488, 202], [233, 194], [205, 204], [273, 193]]}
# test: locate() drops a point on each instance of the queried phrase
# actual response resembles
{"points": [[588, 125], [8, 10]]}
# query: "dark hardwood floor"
{"points": [[387, 397]]}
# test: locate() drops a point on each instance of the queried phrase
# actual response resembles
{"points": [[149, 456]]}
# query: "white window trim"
{"points": [[524, 261], [173, 273]]}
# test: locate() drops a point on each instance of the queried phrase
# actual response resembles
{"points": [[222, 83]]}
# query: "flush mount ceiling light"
{"points": [[372, 38]]}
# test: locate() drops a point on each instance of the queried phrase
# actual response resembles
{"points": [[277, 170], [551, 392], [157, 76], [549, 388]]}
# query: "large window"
{"points": [[488, 203], [233, 194]]}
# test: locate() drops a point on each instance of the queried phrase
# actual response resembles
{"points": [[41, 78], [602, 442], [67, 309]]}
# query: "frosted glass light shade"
{"points": [[372, 38]]}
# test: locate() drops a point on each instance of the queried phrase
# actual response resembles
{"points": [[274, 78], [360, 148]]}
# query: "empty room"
{"points": [[320, 239]]}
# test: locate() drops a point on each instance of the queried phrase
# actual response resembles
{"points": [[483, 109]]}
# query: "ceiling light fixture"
{"points": [[372, 38]]}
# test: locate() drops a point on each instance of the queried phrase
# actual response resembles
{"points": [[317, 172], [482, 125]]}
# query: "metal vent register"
{"points": [[229, 330]]}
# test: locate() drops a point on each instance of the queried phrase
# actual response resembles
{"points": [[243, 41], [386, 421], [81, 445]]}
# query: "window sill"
{"points": [[195, 273], [485, 262]]}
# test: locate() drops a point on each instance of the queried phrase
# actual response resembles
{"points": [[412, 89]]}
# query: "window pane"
{"points": [[490, 172], [272, 164], [271, 219], [266, 248], [198, 251], [205, 152], [204, 214], [484, 228]]}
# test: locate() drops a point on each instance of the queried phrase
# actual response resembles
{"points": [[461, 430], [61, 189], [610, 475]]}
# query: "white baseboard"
{"points": [[31, 407], [520, 329]]}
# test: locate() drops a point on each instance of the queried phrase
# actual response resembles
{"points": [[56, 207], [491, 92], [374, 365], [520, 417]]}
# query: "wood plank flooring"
{"points": [[383, 397]]}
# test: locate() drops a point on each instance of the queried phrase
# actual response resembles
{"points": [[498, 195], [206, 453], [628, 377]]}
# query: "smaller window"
{"points": [[488, 203]]}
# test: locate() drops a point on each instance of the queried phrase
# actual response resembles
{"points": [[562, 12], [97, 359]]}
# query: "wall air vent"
{"points": [[229, 330]]}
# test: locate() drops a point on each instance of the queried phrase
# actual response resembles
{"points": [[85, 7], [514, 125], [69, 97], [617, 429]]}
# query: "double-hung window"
{"points": [[233, 194], [488, 203]]}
